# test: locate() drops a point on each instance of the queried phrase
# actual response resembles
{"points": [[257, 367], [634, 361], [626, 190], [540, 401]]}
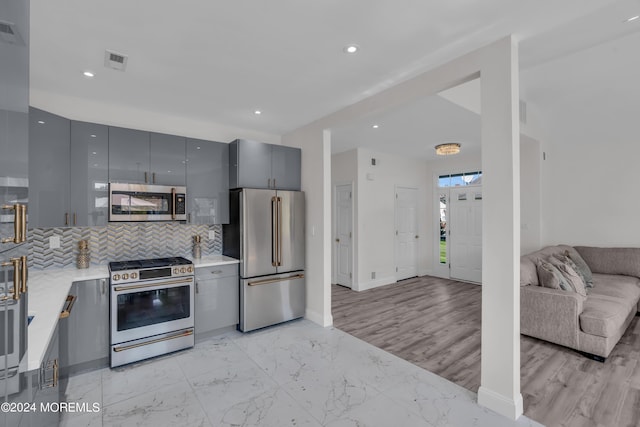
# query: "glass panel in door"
{"points": [[139, 309]]}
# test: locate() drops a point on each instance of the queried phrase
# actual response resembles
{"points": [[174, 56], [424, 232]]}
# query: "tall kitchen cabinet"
{"points": [[14, 187], [207, 182], [254, 164], [141, 157]]}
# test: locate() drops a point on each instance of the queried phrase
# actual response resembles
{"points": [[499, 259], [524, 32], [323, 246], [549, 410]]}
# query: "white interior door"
{"points": [[344, 235], [465, 233], [406, 233]]}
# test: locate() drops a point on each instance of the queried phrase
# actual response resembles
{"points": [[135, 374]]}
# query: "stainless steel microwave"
{"points": [[142, 202]]}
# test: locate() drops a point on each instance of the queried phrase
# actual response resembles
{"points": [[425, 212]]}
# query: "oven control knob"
{"points": [[183, 270], [116, 277], [125, 276], [189, 269], [134, 275], [176, 270]]}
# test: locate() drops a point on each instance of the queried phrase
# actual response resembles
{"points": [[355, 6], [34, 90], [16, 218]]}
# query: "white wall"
{"points": [[128, 117], [530, 210]]}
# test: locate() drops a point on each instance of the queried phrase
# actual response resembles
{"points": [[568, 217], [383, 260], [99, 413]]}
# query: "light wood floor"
{"points": [[435, 324]]}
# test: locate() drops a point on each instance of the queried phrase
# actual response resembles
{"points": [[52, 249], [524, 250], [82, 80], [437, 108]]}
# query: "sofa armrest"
{"points": [[625, 261], [550, 314]]}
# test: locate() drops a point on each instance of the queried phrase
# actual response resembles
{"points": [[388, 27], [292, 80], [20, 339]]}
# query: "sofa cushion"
{"points": [[528, 273], [624, 288], [612, 260], [550, 277], [582, 267], [574, 279], [603, 316]]}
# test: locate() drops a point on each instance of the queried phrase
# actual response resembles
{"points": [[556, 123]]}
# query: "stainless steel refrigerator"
{"points": [[266, 233]]}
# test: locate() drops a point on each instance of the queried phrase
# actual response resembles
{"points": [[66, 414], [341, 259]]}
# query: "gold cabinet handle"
{"points": [[71, 299], [197, 289], [153, 178], [146, 177], [19, 277], [66, 218], [75, 218], [51, 365], [19, 224]]}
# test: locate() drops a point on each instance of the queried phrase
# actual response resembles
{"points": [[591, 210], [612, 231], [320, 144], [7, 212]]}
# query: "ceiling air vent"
{"points": [[116, 61], [9, 33]]}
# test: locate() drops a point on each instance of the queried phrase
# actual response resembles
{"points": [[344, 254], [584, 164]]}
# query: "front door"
{"points": [[465, 233], [406, 233]]}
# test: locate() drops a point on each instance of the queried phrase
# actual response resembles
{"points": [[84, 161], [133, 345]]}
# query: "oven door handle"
{"points": [[132, 346], [153, 285]]}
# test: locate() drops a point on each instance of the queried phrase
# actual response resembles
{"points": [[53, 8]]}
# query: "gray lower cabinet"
{"points": [[207, 182], [84, 334], [48, 394], [89, 174], [48, 169], [254, 164], [217, 299]]}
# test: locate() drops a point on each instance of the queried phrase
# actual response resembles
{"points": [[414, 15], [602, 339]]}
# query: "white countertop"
{"points": [[48, 290]]}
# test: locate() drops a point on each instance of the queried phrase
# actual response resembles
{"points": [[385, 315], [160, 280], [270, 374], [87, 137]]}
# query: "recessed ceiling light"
{"points": [[93, 136], [633, 18], [88, 74], [375, 126], [40, 122], [94, 153], [257, 112], [197, 148], [351, 48]]}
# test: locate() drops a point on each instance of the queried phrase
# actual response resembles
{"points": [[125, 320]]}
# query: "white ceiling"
{"points": [[218, 61]]}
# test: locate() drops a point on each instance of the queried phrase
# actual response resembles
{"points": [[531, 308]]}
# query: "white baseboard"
{"points": [[363, 286], [318, 318], [426, 272], [503, 405]]}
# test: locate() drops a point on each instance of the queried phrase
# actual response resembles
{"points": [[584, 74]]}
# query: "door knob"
{"points": [[337, 240], [417, 237]]}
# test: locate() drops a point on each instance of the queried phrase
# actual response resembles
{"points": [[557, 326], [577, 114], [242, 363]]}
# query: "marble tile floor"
{"points": [[296, 374]]}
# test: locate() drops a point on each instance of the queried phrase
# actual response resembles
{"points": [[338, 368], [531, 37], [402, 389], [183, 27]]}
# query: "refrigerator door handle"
{"points": [[276, 280], [274, 232], [279, 232]]}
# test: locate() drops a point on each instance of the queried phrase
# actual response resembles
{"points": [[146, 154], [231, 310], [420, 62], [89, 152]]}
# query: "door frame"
{"points": [[334, 231], [395, 223]]}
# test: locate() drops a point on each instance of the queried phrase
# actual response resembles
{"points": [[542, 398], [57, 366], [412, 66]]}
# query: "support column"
{"points": [[500, 376]]}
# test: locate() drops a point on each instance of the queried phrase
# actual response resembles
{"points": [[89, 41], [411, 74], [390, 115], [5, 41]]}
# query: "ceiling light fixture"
{"points": [[257, 112], [88, 74], [351, 48], [375, 126], [40, 122], [633, 18], [447, 149]]}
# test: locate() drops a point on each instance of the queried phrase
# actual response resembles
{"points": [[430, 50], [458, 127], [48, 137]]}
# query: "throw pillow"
{"points": [[569, 273], [582, 268], [550, 277], [564, 257]]}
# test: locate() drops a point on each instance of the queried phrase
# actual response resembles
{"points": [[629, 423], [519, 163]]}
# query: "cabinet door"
{"points": [[48, 169], [48, 393], [285, 167], [89, 174], [253, 164], [207, 182], [128, 155], [217, 302], [84, 334], [167, 159]]}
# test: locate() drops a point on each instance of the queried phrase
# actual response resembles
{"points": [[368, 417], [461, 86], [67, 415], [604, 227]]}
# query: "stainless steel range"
{"points": [[151, 308]]}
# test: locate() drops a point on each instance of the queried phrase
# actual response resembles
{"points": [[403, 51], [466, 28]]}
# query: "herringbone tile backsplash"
{"points": [[119, 242]]}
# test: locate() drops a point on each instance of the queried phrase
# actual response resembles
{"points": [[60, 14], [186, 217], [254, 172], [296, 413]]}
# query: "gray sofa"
{"points": [[592, 324]]}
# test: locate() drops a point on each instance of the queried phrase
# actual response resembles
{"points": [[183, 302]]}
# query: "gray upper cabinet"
{"points": [[89, 174], [166, 159], [141, 157], [48, 169], [285, 167], [207, 182], [255, 164], [128, 155]]}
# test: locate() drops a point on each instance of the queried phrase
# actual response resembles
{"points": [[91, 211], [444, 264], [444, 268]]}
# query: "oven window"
{"points": [[139, 309]]}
